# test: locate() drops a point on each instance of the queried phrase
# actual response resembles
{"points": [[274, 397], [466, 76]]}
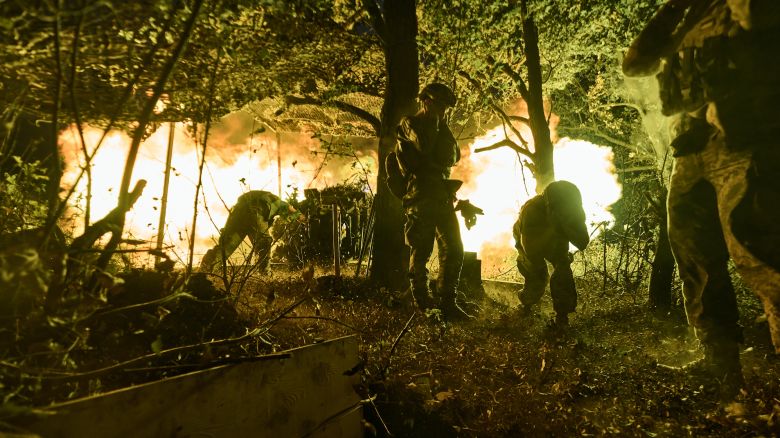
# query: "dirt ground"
{"points": [[507, 375], [500, 374]]}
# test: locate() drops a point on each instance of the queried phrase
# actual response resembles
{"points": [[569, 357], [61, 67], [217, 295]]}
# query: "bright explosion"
{"points": [[495, 181]]}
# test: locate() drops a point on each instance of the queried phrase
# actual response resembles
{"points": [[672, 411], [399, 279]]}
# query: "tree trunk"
{"points": [[661, 276], [543, 147], [389, 252]]}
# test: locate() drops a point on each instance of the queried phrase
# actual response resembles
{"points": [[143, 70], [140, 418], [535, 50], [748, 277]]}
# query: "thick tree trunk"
{"points": [[390, 254], [543, 147]]}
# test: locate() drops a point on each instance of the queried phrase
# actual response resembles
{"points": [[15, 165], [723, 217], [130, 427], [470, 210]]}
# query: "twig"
{"points": [[284, 312], [325, 318], [148, 303], [340, 414], [53, 375], [509, 143], [384, 425], [395, 345]]}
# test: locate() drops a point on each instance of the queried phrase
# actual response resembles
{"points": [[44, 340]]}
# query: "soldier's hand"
{"points": [[469, 212]]}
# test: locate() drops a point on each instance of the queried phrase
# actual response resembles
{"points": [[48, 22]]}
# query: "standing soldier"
{"points": [[252, 216], [542, 232], [426, 152], [720, 67]]}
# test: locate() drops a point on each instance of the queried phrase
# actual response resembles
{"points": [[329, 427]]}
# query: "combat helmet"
{"points": [[439, 92]]}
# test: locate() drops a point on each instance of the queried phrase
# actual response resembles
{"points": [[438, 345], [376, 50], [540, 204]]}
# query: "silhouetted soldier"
{"points": [[542, 232], [252, 216], [720, 68], [426, 152]]}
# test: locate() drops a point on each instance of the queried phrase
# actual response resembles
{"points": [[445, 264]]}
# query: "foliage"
{"points": [[262, 48], [22, 197]]}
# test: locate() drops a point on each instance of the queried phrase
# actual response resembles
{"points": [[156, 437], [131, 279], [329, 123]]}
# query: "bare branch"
{"points": [[406, 328], [508, 143], [508, 122], [518, 80]]}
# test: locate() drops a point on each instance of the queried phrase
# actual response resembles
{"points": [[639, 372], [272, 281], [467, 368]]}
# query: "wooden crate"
{"points": [[306, 394]]}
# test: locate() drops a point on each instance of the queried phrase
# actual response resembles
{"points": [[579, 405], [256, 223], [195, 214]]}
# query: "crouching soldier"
{"points": [[252, 216], [542, 232]]}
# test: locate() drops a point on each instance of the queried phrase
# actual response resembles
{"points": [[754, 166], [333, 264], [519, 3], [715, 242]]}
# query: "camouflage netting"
{"points": [[319, 116]]}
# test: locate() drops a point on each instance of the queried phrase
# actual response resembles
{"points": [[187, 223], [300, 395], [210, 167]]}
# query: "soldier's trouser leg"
{"points": [[419, 232], [450, 254], [755, 246], [701, 254], [728, 172], [535, 274], [261, 246], [699, 247], [562, 288], [230, 238]]}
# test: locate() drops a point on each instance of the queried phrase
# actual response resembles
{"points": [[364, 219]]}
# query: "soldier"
{"points": [[720, 67], [252, 216], [426, 152], [542, 232]]}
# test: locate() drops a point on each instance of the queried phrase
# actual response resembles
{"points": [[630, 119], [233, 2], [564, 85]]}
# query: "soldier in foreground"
{"points": [[720, 67], [542, 232], [252, 216], [426, 152]]}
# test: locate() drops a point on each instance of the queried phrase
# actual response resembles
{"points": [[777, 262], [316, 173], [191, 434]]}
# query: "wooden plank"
{"points": [[306, 394], [503, 292]]}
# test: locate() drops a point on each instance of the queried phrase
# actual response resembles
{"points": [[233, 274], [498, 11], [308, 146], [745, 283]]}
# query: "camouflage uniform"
{"points": [[427, 153], [542, 232], [720, 80], [252, 216]]}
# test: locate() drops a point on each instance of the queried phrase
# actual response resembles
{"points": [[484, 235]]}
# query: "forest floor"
{"points": [[500, 374]]}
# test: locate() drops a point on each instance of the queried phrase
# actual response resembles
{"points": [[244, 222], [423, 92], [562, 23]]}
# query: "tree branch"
{"points": [[377, 20], [507, 119], [510, 144], [109, 223], [518, 80]]}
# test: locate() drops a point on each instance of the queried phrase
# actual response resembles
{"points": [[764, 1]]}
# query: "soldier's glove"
{"points": [[469, 212]]}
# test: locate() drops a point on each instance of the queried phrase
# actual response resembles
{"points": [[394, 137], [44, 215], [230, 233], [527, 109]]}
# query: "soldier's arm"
{"points": [[409, 150], [656, 40], [516, 233]]}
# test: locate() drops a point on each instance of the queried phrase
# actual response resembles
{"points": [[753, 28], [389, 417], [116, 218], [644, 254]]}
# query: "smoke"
{"points": [[644, 93]]}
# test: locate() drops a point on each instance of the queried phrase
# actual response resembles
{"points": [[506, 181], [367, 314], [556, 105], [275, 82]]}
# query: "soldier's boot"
{"points": [[719, 367], [421, 294], [450, 309], [423, 299], [561, 320]]}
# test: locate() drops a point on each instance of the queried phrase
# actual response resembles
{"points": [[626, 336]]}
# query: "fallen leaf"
{"points": [[444, 395]]}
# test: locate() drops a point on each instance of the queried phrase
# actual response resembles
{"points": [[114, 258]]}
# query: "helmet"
{"points": [[439, 92]]}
